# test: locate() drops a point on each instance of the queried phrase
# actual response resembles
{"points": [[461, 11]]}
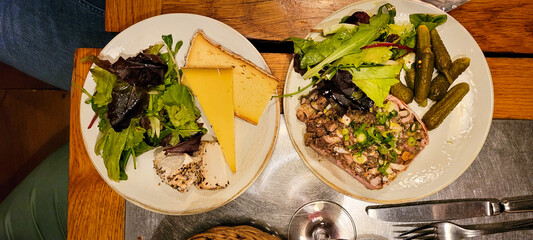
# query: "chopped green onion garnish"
{"points": [[411, 141], [345, 131], [361, 137], [413, 127], [383, 149], [383, 168]]}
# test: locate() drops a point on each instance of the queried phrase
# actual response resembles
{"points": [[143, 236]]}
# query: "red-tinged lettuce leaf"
{"points": [[143, 70], [128, 102], [188, 146], [356, 18]]}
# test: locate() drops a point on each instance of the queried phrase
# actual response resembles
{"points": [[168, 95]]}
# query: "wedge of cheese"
{"points": [[214, 90], [253, 87]]}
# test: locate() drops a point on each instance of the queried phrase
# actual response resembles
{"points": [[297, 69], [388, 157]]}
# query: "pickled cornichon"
{"points": [[424, 72], [443, 61], [410, 78], [439, 85], [402, 92], [424, 65], [440, 110], [423, 39]]}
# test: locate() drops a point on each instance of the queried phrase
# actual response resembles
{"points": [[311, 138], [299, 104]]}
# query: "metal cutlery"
{"points": [[449, 209], [449, 230]]}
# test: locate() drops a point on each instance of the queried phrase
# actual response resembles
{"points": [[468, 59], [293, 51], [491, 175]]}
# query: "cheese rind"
{"points": [[214, 90], [253, 87]]}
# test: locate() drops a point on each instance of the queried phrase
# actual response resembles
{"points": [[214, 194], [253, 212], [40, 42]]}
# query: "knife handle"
{"points": [[518, 204]]}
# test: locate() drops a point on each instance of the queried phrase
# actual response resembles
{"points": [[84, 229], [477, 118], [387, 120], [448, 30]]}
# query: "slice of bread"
{"points": [[253, 86]]}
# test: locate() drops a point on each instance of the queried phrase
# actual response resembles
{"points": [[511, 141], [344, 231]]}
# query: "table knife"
{"points": [[449, 209]]}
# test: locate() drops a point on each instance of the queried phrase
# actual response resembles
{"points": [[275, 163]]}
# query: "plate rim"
{"points": [[400, 200], [267, 157]]}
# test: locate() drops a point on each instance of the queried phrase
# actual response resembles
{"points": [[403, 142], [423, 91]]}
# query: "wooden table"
{"points": [[503, 31]]}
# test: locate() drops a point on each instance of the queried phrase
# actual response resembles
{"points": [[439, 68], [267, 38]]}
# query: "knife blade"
{"points": [[449, 209]]}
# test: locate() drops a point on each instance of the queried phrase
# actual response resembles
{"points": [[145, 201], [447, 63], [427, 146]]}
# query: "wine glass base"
{"points": [[321, 220]]}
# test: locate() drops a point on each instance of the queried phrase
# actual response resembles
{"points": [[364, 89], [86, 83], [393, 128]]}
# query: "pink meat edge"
{"points": [[339, 164]]}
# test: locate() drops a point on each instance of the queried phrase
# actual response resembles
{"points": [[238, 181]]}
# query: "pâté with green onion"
{"points": [[356, 113]]}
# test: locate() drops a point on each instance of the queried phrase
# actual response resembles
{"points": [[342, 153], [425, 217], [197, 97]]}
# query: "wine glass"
{"points": [[321, 220]]}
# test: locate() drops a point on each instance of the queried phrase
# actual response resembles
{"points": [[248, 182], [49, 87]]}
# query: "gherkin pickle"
{"points": [[410, 78], [442, 57], [439, 85], [440, 110], [424, 72], [459, 66], [423, 39], [402, 92], [424, 65]]}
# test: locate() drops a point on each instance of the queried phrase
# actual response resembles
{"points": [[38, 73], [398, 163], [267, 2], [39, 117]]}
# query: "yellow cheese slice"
{"points": [[253, 87], [214, 90]]}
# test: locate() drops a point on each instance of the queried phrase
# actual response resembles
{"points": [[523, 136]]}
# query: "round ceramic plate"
{"points": [[453, 146], [254, 143]]}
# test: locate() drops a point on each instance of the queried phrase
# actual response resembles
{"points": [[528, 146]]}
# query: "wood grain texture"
{"points": [[513, 87], [94, 209], [33, 123], [120, 14], [496, 26]]}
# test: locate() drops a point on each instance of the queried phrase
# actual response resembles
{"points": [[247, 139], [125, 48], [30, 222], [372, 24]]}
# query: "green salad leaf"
{"points": [[430, 20], [104, 86], [365, 34], [173, 73], [376, 55], [170, 111], [178, 94], [375, 81], [180, 115], [113, 146], [314, 52]]}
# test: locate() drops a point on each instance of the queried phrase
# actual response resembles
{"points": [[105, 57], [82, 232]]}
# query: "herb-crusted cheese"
{"points": [[253, 87], [214, 90]]}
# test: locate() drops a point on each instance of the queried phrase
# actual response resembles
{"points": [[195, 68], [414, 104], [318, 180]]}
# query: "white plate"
{"points": [[453, 146], [254, 144]]}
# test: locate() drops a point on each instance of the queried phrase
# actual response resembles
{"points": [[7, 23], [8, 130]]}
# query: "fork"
{"points": [[449, 230]]}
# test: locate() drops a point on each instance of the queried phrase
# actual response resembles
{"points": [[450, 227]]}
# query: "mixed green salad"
{"points": [[141, 104], [373, 49]]}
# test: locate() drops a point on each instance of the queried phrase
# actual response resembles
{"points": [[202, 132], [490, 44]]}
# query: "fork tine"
{"points": [[434, 236], [423, 235], [417, 230]]}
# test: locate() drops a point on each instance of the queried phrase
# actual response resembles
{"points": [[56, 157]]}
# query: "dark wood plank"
{"points": [[496, 26], [94, 209], [120, 14], [11, 78], [513, 87], [33, 124]]}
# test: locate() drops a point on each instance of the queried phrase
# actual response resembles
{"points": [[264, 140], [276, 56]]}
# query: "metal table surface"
{"points": [[502, 169]]}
